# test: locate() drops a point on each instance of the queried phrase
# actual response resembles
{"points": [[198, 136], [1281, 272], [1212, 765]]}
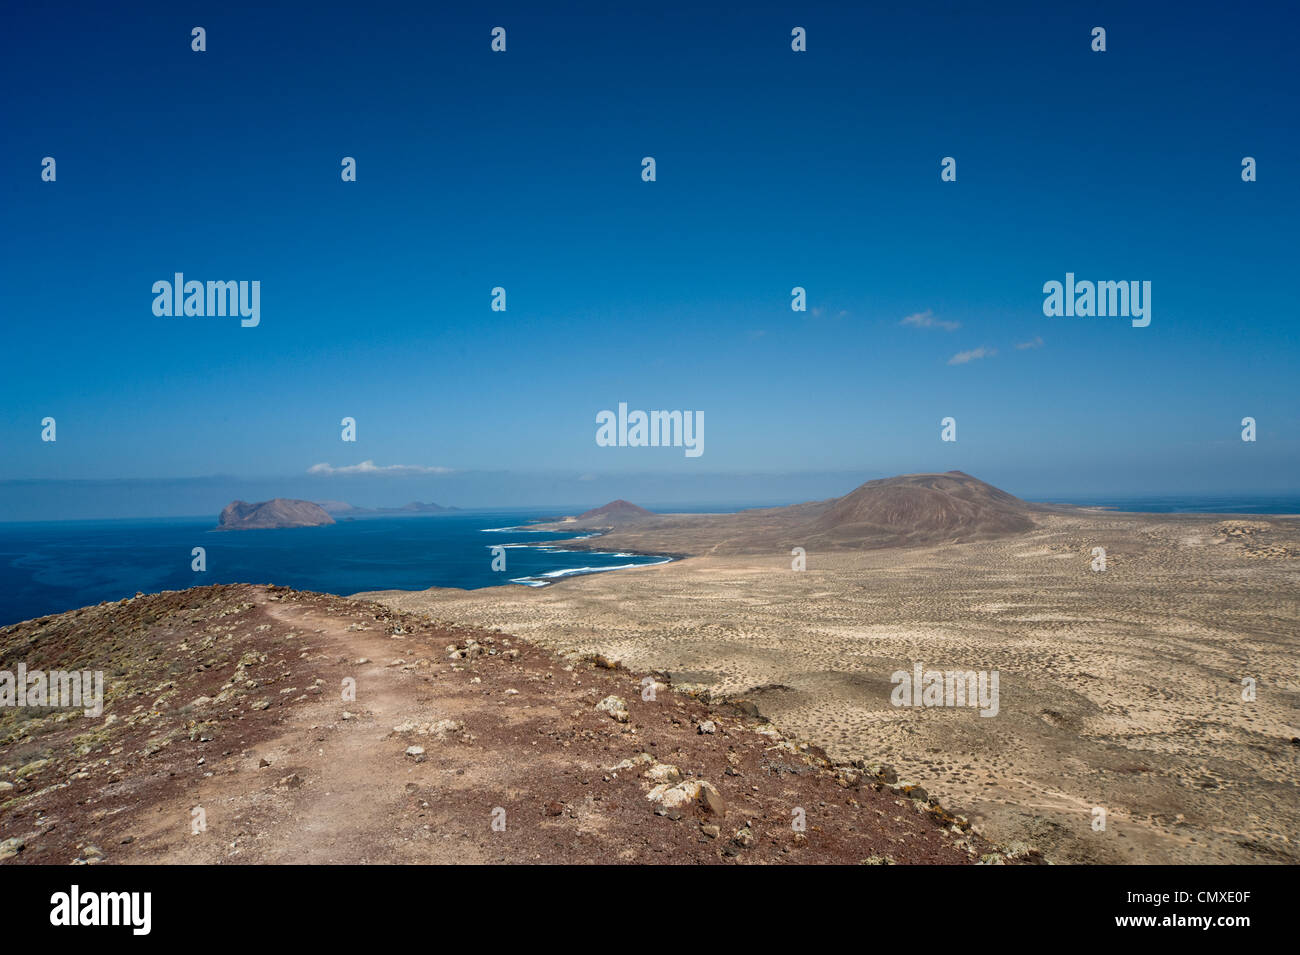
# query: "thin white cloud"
{"points": [[370, 467], [1037, 342], [926, 319], [962, 357]]}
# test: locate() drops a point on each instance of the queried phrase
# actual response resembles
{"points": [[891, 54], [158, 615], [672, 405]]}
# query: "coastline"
{"points": [[1105, 676], [52, 567], [552, 577]]}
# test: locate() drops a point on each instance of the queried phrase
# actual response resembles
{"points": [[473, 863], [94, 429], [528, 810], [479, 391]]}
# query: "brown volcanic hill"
{"points": [[924, 509], [615, 512], [904, 511], [280, 512]]}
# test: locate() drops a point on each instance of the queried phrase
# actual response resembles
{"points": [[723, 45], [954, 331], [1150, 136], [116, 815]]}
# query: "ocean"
{"points": [[1190, 504], [53, 566], [50, 567]]}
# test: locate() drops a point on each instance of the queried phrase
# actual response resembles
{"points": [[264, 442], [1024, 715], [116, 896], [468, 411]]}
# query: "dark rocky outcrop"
{"points": [[280, 512]]}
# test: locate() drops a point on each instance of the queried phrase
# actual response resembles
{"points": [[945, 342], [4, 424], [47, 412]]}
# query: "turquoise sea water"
{"points": [[54, 566]]}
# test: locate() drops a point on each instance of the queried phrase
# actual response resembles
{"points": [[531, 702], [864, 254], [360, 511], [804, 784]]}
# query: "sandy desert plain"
{"points": [[1120, 690]]}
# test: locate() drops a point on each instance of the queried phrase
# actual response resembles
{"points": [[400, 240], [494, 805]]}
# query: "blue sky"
{"points": [[522, 170]]}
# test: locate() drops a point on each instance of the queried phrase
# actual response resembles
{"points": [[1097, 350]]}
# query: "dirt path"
{"points": [[340, 789], [229, 700]]}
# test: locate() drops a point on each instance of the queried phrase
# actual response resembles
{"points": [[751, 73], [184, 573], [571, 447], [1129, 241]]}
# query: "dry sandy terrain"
{"points": [[229, 700], [1119, 689]]}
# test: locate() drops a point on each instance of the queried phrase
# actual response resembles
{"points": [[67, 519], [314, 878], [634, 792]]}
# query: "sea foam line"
{"points": [[542, 580]]}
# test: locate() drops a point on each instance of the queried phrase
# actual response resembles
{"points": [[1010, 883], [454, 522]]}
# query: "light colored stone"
{"points": [[672, 796], [444, 728], [640, 759], [615, 706], [663, 773]]}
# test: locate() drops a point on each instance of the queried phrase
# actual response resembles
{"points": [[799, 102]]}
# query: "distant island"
{"points": [[415, 507], [288, 512], [279, 512]]}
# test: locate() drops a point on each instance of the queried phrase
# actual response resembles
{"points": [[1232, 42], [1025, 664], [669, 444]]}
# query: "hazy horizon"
{"points": [[470, 491]]}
